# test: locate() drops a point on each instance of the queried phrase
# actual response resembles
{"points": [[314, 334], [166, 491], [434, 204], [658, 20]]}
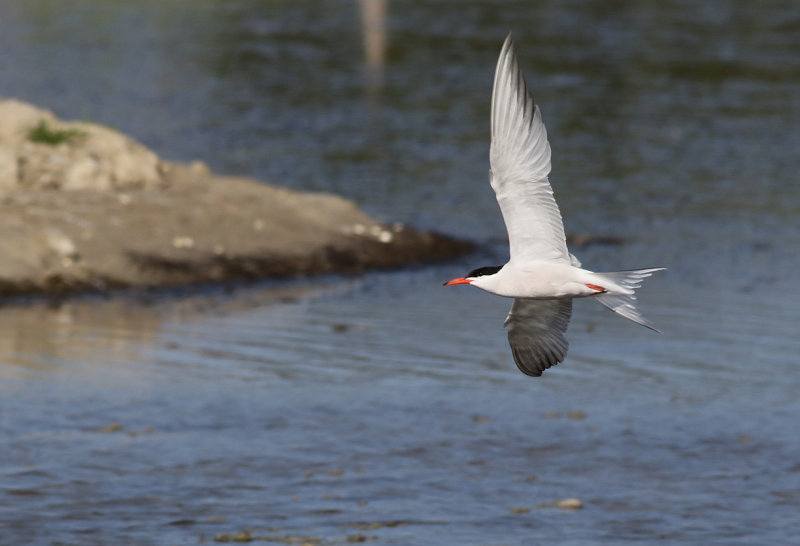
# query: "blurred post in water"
{"points": [[373, 27]]}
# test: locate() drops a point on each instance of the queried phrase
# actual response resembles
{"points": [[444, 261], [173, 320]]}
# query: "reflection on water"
{"points": [[97, 333], [386, 408]]}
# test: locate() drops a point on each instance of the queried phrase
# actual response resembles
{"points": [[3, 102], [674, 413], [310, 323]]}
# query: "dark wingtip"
{"points": [[508, 43], [531, 368]]}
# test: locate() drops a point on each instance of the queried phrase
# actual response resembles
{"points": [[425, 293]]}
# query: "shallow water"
{"points": [[387, 407]]}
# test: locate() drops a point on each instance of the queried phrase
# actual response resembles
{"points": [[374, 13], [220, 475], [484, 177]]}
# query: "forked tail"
{"points": [[623, 302]]}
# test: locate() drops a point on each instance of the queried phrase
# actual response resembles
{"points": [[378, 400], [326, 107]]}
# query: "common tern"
{"points": [[541, 275]]}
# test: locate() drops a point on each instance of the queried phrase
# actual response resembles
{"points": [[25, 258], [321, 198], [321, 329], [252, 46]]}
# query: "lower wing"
{"points": [[536, 333]]}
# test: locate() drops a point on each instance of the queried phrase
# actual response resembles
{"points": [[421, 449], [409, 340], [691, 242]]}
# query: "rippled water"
{"points": [[386, 407]]}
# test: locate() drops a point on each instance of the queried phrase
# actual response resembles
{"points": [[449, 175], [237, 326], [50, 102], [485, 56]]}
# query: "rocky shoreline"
{"points": [[85, 208]]}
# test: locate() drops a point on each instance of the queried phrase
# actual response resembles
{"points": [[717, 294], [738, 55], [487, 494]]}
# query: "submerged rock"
{"points": [[83, 207], [568, 504]]}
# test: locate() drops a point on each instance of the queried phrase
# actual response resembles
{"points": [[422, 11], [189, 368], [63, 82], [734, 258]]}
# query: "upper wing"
{"points": [[536, 333], [520, 161]]}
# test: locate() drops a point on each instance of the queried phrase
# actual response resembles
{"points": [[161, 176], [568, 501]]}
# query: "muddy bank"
{"points": [[83, 207]]}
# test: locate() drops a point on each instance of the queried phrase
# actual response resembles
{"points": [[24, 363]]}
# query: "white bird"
{"points": [[541, 275]]}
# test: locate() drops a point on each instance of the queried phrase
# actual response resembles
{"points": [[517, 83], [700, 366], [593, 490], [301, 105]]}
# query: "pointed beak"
{"points": [[460, 280]]}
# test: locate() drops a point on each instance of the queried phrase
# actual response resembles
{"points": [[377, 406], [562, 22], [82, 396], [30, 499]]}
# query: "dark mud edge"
{"points": [[154, 270]]}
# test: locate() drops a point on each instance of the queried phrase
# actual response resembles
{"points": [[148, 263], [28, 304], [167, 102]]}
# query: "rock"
{"points": [[111, 427], [85, 208], [242, 536], [9, 173], [76, 156], [568, 504], [61, 244], [571, 504]]}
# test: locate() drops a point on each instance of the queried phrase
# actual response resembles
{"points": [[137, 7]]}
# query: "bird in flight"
{"points": [[541, 275]]}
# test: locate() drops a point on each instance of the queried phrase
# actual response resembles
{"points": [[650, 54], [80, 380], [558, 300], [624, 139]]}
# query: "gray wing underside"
{"points": [[536, 333]]}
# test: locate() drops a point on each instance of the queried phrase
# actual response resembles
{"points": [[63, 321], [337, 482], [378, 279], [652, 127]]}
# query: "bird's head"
{"points": [[475, 274]]}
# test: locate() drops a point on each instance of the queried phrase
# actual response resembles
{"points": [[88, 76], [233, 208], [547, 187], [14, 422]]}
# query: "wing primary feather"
{"points": [[523, 364], [536, 333], [520, 163]]}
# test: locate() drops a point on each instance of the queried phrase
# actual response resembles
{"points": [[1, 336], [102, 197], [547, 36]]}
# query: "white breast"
{"points": [[537, 280]]}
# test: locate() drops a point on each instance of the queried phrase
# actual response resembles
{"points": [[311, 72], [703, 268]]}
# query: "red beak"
{"points": [[460, 280]]}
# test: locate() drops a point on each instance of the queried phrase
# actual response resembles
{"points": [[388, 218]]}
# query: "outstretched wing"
{"points": [[536, 333], [520, 163]]}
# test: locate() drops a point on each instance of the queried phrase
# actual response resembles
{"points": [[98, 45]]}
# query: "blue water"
{"points": [[386, 407]]}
